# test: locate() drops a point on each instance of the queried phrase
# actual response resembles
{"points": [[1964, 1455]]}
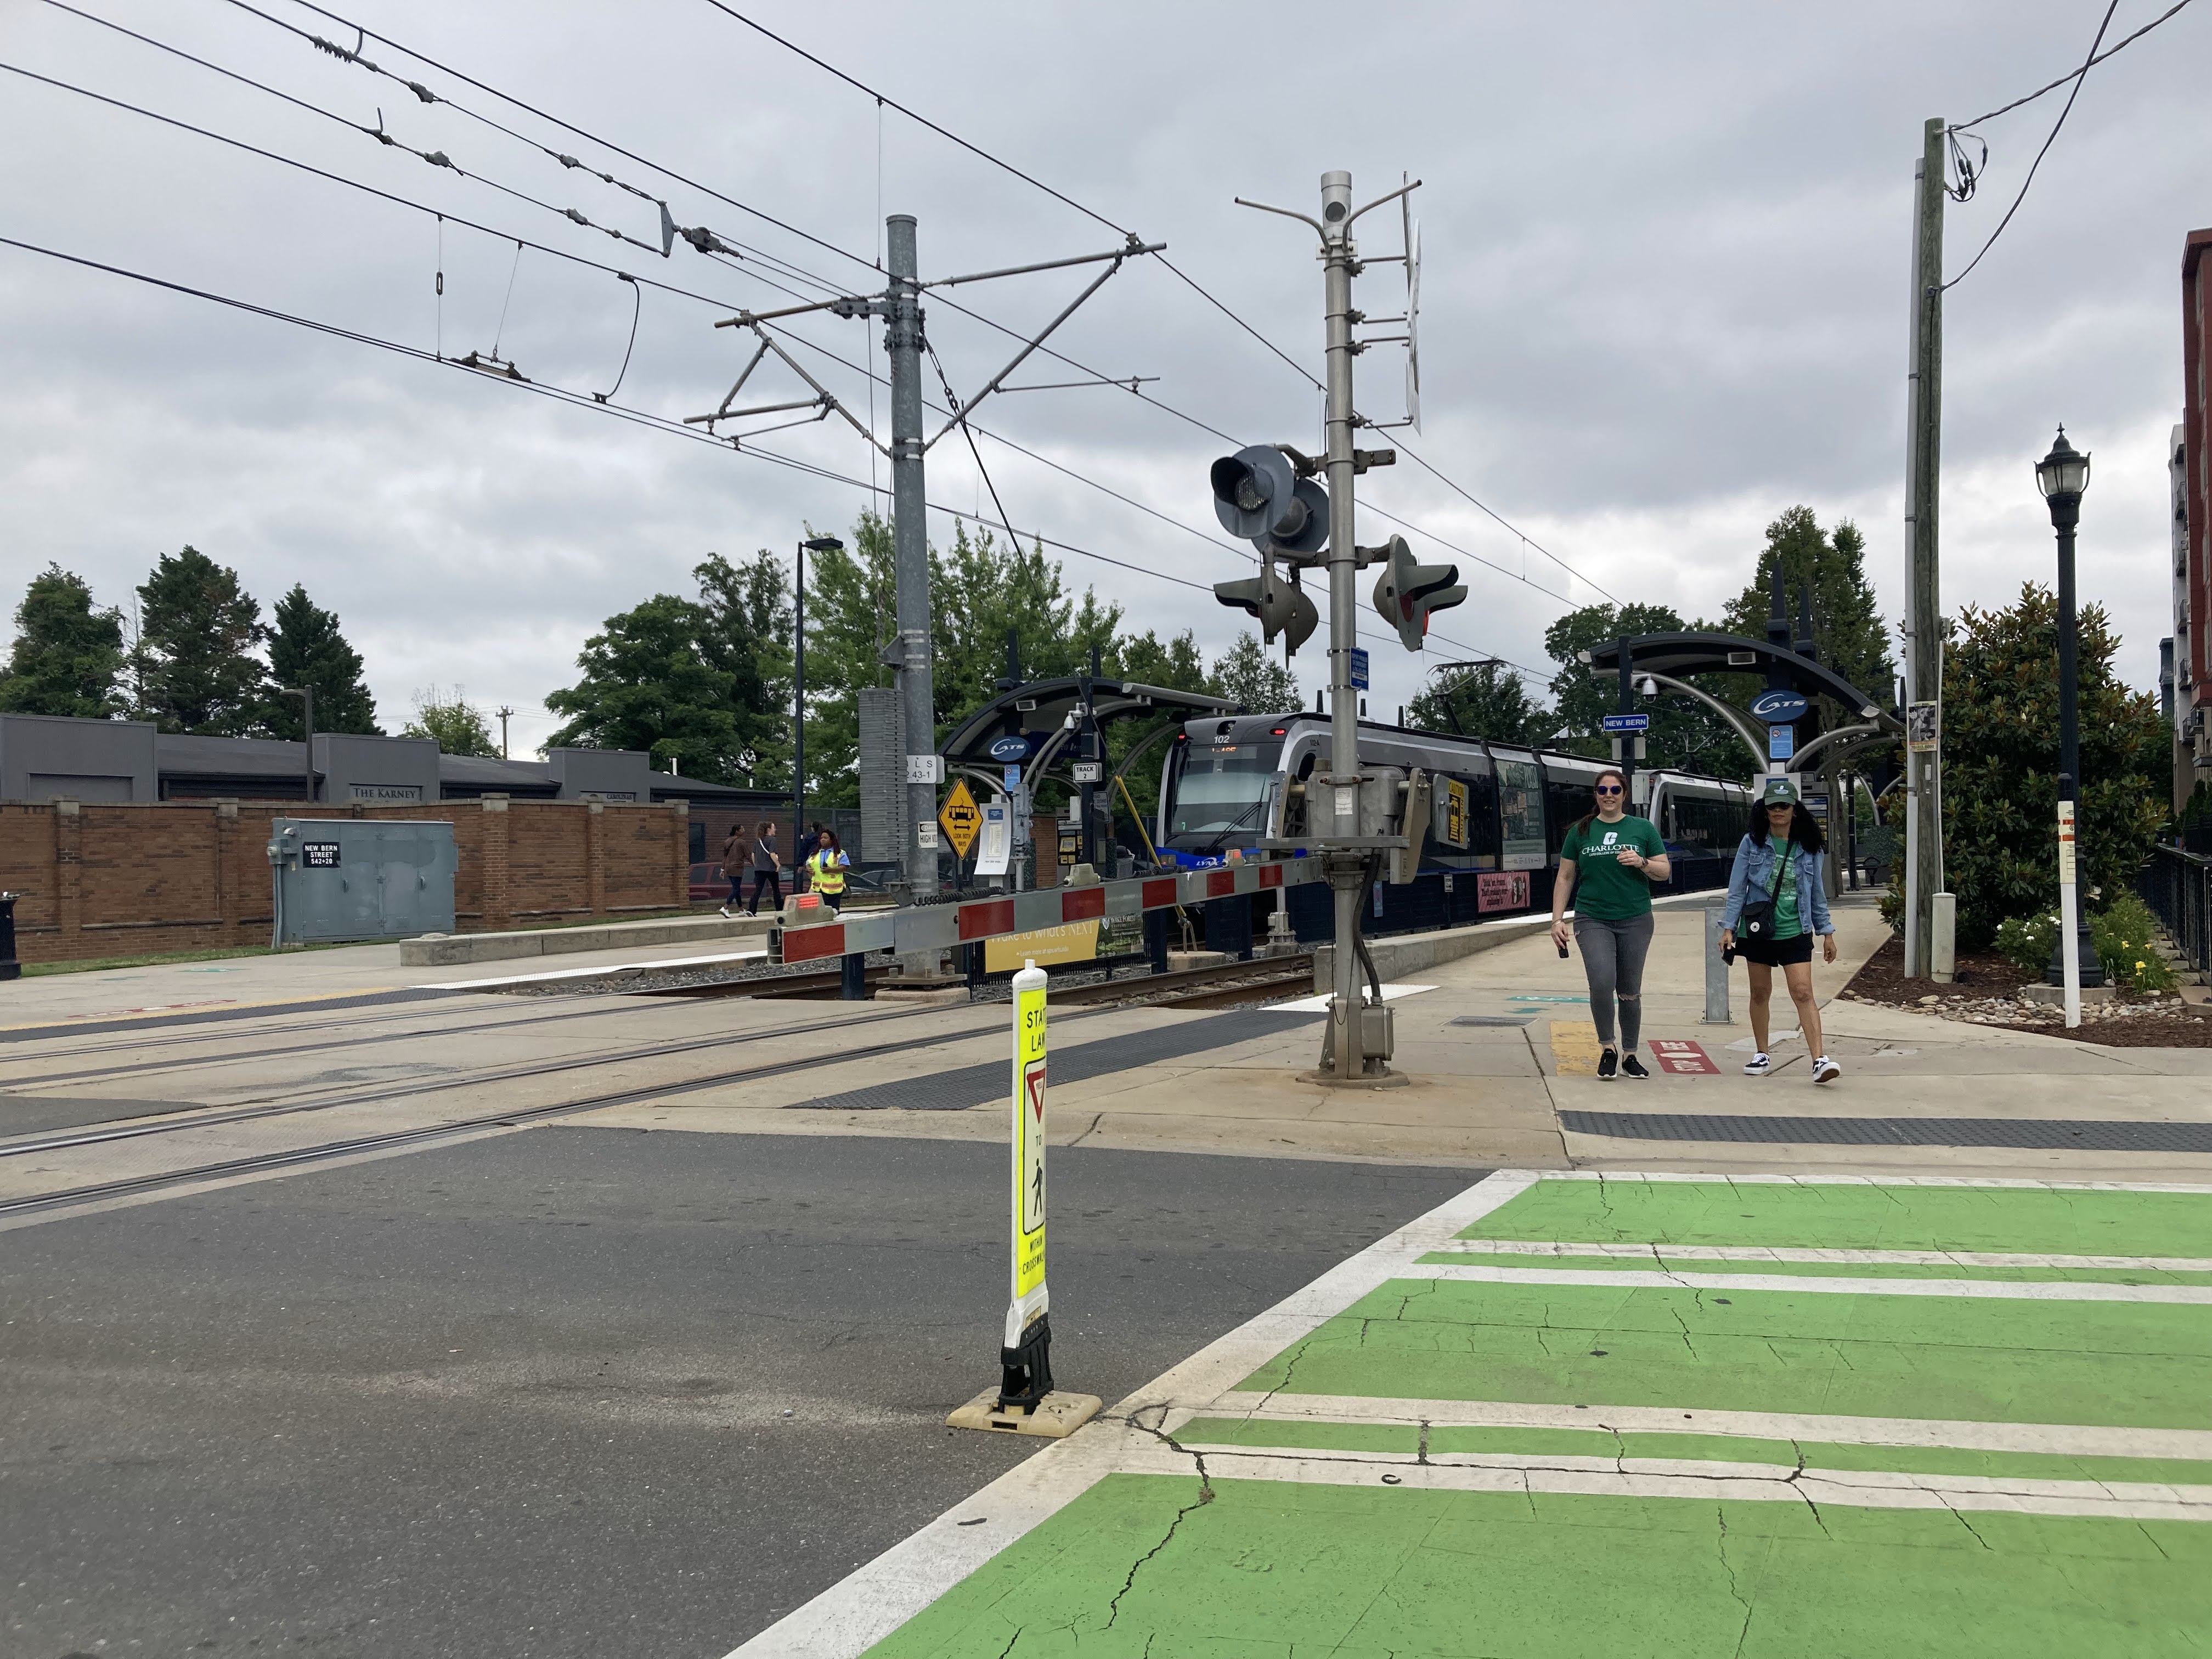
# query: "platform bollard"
{"points": [[1716, 970], [1025, 1402]]}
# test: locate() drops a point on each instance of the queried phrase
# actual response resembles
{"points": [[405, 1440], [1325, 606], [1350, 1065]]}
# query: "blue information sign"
{"points": [[1781, 742], [1628, 722], [1359, 668]]}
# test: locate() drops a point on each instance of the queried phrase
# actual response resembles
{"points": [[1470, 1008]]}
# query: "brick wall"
{"points": [[107, 881]]}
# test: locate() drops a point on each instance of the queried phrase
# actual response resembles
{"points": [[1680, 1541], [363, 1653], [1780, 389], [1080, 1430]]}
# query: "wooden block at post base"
{"points": [[1057, 1416]]}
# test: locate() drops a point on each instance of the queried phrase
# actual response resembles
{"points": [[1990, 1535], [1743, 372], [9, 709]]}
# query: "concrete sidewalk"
{"points": [[1565, 1415], [1501, 1056]]}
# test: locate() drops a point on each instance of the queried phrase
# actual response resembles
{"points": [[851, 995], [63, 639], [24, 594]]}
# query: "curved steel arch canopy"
{"points": [[1680, 654], [1050, 703]]}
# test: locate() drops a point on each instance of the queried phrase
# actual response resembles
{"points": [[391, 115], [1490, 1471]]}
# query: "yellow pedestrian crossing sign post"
{"points": [[1025, 1402], [963, 820]]}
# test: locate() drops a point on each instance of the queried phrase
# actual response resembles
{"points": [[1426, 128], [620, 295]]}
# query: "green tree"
{"points": [[1489, 701], [198, 630], [1683, 732], [1247, 675], [307, 649], [748, 631], [454, 723], [1175, 664], [67, 655], [1847, 624], [2001, 764], [648, 683]]}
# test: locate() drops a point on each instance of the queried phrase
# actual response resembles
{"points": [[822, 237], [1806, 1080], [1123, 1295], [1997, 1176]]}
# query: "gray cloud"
{"points": [[1664, 294]]}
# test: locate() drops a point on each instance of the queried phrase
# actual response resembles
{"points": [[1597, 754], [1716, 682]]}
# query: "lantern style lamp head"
{"points": [[2063, 475]]}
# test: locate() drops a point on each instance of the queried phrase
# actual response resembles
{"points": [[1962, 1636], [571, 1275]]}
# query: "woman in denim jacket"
{"points": [[1800, 913]]}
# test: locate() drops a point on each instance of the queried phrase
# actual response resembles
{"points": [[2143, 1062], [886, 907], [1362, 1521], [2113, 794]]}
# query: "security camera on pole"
{"points": [[1354, 815]]}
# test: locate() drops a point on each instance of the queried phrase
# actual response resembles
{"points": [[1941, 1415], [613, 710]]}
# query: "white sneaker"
{"points": [[1825, 1070], [1758, 1066], [724, 912]]}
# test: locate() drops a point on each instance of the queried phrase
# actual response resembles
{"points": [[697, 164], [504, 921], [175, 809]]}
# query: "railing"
{"points": [[2178, 887]]}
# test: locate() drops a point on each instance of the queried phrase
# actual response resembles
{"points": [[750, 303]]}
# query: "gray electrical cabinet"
{"points": [[361, 878]]}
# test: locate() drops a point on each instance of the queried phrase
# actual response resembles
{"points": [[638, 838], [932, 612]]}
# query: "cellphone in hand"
{"points": [[1562, 953]]}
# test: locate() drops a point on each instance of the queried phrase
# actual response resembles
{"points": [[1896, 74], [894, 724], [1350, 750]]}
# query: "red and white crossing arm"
{"points": [[940, 927]]}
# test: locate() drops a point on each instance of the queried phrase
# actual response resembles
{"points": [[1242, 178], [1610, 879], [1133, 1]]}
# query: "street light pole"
{"points": [[2063, 476], [816, 544]]}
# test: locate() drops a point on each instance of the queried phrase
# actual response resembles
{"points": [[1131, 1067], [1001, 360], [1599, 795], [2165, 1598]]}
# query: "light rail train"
{"points": [[1230, 782]]}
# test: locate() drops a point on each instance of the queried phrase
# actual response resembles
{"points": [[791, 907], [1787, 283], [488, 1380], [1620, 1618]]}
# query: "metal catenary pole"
{"points": [[797, 701], [1923, 649], [1346, 879], [902, 341]]}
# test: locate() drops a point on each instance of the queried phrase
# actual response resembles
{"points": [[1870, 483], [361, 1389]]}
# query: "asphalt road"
{"points": [[574, 1391]]}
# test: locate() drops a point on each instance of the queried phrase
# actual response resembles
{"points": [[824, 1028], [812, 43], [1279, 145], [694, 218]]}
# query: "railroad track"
{"points": [[1219, 987]]}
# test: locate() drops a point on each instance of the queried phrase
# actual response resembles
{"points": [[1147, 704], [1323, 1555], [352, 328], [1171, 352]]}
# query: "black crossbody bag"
{"points": [[1757, 921]]}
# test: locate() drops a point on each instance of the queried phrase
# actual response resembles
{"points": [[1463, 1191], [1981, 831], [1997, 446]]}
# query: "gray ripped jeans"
{"points": [[1612, 961]]}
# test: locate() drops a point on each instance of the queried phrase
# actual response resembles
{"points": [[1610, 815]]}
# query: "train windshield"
{"points": [[1221, 794]]}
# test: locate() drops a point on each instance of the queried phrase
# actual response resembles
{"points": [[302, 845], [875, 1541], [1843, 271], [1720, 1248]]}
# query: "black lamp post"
{"points": [[2063, 475], [815, 544]]}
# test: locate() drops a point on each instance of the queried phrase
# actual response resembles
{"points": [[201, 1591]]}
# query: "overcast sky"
{"points": [[1664, 295]]}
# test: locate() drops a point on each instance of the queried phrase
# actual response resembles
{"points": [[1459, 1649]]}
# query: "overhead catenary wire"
{"points": [[798, 273], [440, 159]]}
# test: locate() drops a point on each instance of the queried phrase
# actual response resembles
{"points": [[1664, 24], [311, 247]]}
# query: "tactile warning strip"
{"points": [[2053, 1134], [957, 1090]]}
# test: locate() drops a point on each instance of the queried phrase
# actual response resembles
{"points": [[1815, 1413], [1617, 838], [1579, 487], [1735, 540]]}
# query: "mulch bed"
{"points": [[1986, 992]]}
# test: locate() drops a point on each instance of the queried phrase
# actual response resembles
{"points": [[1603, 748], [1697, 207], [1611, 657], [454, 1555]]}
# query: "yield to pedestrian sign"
{"points": [[962, 819]]}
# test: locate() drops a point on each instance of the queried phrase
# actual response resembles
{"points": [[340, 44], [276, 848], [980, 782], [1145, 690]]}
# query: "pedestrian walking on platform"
{"points": [[826, 868], [734, 866], [767, 868], [1778, 902], [1607, 864]]}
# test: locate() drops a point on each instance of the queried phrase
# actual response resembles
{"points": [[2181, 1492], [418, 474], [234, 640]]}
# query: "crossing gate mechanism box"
{"points": [[361, 878]]}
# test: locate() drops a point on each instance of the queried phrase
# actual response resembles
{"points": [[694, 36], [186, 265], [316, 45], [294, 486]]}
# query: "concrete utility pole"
{"points": [[1346, 881], [1924, 641], [910, 654]]}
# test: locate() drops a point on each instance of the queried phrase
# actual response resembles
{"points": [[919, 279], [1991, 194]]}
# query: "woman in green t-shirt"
{"points": [[1608, 865]]}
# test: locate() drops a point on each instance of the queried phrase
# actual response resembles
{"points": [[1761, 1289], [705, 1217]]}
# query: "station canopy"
{"points": [[1679, 655], [1041, 708]]}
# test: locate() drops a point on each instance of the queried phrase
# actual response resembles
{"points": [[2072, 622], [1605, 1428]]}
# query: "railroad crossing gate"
{"points": [[962, 819]]}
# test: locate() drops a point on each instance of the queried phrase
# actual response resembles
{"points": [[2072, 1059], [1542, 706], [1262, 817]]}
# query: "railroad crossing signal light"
{"points": [[1277, 601], [1258, 494], [1407, 591]]}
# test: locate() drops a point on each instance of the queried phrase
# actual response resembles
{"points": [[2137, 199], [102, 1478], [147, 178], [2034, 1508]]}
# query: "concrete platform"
{"points": [[446, 950]]}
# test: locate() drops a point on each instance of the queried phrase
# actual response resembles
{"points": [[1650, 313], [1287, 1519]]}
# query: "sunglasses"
{"points": [[1608, 789]]}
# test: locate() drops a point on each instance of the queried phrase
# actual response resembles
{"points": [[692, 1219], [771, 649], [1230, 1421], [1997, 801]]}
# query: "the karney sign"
{"points": [[1778, 707]]}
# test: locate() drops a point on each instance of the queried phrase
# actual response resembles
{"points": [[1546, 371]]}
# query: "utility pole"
{"points": [[1923, 640], [910, 654], [1347, 877], [504, 711]]}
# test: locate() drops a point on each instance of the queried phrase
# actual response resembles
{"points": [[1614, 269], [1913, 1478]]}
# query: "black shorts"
{"points": [[1776, 953]]}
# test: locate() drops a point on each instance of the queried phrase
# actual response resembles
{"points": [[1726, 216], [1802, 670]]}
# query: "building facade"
{"points": [[2190, 467]]}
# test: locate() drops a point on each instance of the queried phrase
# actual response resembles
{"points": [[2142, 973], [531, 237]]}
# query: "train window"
{"points": [[1521, 814], [1699, 825], [1222, 793], [1481, 815], [1568, 798]]}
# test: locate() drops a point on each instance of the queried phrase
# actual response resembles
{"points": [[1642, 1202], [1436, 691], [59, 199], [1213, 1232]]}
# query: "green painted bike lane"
{"points": [[1509, 1438]]}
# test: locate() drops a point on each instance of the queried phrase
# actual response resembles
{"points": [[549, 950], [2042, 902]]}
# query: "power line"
{"points": [[2079, 75], [439, 159], [1526, 540], [2096, 57]]}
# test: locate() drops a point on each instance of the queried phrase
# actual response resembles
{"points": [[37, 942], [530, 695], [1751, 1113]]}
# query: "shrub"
{"points": [[2126, 937], [2026, 942]]}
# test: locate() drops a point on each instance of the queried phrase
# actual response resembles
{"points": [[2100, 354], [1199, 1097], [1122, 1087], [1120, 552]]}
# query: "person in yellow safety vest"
{"points": [[826, 868]]}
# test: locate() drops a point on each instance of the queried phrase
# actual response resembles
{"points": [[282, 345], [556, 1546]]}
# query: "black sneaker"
{"points": [[1607, 1064], [1631, 1066]]}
